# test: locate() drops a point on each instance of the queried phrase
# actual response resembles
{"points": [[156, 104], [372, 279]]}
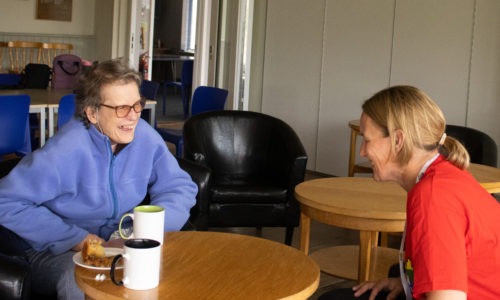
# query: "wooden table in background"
{"points": [[354, 203], [211, 265], [173, 59]]}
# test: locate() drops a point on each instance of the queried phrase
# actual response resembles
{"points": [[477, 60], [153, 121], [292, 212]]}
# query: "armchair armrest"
{"points": [[201, 176], [293, 156], [15, 278]]}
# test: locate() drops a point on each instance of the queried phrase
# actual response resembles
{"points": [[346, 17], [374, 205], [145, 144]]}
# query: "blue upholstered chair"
{"points": [[66, 109], [14, 125], [149, 90], [185, 86], [205, 99]]}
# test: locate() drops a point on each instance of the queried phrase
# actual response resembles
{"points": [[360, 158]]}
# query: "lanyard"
{"points": [[405, 280]]}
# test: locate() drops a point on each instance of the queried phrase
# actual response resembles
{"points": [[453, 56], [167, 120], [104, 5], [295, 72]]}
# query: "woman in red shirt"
{"points": [[451, 245]]}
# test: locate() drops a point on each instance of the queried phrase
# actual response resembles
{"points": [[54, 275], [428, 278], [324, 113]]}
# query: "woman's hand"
{"points": [[392, 285], [89, 236]]}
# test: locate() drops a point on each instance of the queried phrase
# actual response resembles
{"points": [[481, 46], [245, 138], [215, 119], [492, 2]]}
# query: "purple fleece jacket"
{"points": [[75, 185]]}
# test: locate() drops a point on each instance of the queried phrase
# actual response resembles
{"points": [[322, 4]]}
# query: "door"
{"points": [[231, 66], [141, 33]]}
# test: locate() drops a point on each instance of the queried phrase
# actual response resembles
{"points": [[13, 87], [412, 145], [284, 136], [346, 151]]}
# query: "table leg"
{"points": [[152, 116], [368, 242], [51, 121], [305, 232], [42, 127], [151, 105], [173, 66]]}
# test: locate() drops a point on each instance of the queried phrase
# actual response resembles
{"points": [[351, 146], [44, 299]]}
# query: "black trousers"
{"points": [[348, 294]]}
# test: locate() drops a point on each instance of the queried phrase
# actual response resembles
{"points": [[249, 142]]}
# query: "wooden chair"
{"points": [[21, 53], [51, 50], [3, 66]]}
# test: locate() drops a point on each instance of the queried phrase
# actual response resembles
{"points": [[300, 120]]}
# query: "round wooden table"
{"points": [[488, 177], [354, 203], [211, 265]]}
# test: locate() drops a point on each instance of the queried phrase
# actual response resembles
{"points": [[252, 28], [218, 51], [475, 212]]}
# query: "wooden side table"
{"points": [[354, 203]]}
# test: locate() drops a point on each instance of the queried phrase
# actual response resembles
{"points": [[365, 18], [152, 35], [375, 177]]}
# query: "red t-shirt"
{"points": [[453, 234]]}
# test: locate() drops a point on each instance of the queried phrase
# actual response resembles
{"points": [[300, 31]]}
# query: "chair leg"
{"points": [[185, 104], [164, 98], [258, 231], [289, 235], [178, 148]]}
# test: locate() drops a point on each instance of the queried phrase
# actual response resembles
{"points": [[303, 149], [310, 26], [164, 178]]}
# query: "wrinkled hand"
{"points": [[392, 285], [89, 236]]}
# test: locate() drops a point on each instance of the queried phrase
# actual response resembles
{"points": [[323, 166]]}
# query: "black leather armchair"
{"points": [[15, 275], [256, 162], [201, 176], [15, 278], [481, 147]]}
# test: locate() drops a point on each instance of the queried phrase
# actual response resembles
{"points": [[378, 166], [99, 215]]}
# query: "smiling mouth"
{"points": [[126, 127]]}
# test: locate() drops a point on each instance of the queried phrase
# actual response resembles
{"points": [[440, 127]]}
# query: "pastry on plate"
{"points": [[93, 254]]}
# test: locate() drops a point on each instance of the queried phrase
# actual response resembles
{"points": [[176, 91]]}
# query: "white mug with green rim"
{"points": [[148, 223]]}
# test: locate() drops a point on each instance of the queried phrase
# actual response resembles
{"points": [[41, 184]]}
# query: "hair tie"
{"points": [[443, 137]]}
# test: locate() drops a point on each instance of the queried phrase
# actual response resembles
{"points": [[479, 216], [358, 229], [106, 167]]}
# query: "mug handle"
{"points": [[112, 271], [131, 215]]}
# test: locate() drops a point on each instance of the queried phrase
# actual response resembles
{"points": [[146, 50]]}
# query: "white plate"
{"points": [[77, 258]]}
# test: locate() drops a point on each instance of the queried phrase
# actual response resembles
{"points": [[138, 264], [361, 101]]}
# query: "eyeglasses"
{"points": [[123, 110]]}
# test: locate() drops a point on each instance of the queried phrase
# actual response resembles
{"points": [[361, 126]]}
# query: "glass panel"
{"points": [[189, 12]]}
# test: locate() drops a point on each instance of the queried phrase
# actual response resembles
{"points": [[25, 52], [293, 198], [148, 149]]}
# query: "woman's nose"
{"points": [[362, 151]]}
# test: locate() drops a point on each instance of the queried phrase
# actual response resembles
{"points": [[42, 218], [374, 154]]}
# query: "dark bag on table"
{"points": [[36, 76], [67, 69]]}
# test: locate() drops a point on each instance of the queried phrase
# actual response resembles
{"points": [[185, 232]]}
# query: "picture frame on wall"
{"points": [[55, 10]]}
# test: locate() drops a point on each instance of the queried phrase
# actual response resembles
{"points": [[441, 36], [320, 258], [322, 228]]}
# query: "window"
{"points": [[188, 36]]}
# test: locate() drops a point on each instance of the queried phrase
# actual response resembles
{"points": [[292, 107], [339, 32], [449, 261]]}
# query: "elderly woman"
{"points": [[452, 239], [98, 167]]}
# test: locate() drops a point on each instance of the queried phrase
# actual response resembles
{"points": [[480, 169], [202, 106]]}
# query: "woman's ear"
{"points": [[91, 114], [399, 140]]}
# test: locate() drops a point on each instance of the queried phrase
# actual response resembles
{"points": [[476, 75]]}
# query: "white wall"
{"points": [[104, 19], [292, 67], [18, 23], [484, 93], [19, 17], [323, 58]]}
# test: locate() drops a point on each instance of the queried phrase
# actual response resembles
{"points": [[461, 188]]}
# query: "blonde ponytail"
{"points": [[455, 153]]}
